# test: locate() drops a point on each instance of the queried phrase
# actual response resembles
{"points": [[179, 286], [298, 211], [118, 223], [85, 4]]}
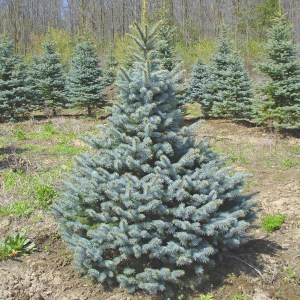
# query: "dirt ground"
{"points": [[267, 267]]}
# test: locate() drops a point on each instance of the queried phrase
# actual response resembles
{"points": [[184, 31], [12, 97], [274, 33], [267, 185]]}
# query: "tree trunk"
{"points": [[89, 111]]}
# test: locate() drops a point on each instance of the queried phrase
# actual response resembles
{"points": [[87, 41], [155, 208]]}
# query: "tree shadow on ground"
{"points": [[245, 260], [12, 159], [12, 150], [294, 132]]}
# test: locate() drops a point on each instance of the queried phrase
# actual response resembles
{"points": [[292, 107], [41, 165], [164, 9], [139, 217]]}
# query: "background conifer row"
{"points": [[222, 87], [224, 90]]}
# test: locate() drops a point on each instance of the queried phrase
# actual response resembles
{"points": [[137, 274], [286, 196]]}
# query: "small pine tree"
{"points": [[281, 104], [199, 84], [110, 73], [230, 95], [15, 85], [22, 93], [165, 46], [151, 207], [84, 85], [48, 79]]}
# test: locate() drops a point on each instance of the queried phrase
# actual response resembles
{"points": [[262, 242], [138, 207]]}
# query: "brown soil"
{"points": [[259, 270]]}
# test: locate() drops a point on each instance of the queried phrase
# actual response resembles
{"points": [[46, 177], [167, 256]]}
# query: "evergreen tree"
{"points": [[15, 85], [84, 85], [110, 72], [150, 208], [165, 46], [281, 104], [230, 95], [22, 100], [49, 79], [200, 83]]}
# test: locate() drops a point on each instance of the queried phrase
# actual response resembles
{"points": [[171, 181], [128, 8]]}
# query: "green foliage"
{"points": [[199, 84], [85, 88], [150, 207], [49, 79], [63, 39], [229, 94], [20, 134], [238, 158], [49, 128], [271, 223], [206, 297], [15, 245], [123, 46], [18, 209], [239, 297], [287, 163], [290, 275], [11, 178], [280, 103], [266, 12], [110, 72], [202, 50], [16, 91], [64, 147], [44, 195], [166, 46], [4, 252]]}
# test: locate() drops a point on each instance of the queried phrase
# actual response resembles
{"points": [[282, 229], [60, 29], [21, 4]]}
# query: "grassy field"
{"points": [[36, 155]]}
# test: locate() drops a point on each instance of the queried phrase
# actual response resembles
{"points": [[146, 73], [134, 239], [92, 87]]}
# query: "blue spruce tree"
{"points": [[230, 95], [281, 104], [150, 208], [85, 87], [16, 92], [49, 79], [200, 83]]}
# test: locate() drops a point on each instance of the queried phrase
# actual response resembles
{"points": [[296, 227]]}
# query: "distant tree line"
{"points": [[106, 20]]}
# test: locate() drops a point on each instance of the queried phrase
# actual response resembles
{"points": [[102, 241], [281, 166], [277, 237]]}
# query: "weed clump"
{"points": [[271, 223], [15, 245], [44, 195]]}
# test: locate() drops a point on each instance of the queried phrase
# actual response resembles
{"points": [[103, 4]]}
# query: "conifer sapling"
{"points": [[151, 207], [48, 79], [280, 106], [230, 94], [85, 87], [110, 73], [16, 92], [200, 83]]}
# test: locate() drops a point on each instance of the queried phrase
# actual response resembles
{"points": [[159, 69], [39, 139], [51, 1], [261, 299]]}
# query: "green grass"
{"points": [[20, 134], [18, 209], [64, 147], [289, 163], [44, 195], [193, 109], [271, 223], [19, 181], [11, 178], [36, 191], [239, 158], [290, 275], [205, 297]]}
